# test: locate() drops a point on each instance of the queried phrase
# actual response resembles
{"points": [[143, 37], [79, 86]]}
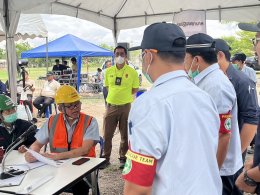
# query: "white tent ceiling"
{"points": [[118, 14], [124, 14], [29, 26]]}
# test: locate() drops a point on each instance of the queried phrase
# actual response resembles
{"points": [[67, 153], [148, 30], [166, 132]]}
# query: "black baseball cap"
{"points": [[49, 73], [163, 37], [239, 57], [221, 45], [200, 42], [249, 27]]}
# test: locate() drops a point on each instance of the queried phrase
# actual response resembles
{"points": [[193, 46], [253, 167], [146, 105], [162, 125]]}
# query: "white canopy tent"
{"points": [[119, 14], [124, 14], [29, 26]]}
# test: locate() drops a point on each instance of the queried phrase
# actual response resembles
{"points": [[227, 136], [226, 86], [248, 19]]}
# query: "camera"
{"points": [[22, 63]]}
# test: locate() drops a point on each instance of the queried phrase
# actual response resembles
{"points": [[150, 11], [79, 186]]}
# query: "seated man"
{"points": [[11, 127], [58, 66], [46, 95], [81, 129]]}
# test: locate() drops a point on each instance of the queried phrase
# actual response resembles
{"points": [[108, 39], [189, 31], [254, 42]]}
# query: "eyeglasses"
{"points": [[255, 41], [73, 106], [141, 56]]}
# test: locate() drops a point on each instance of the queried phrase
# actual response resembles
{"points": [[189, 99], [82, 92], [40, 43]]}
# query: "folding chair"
{"points": [[94, 174]]}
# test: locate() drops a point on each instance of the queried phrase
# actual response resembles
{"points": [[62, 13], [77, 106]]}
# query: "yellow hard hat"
{"points": [[66, 94]]}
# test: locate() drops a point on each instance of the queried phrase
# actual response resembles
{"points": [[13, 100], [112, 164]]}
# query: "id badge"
{"points": [[118, 81]]}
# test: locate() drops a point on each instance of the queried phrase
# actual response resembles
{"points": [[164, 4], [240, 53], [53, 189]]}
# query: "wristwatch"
{"points": [[249, 181]]}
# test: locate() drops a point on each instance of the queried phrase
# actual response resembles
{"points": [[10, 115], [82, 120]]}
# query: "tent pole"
{"points": [[47, 59], [79, 64]]}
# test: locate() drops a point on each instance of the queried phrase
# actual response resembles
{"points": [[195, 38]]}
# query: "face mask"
{"points": [[10, 118], [235, 66], [191, 74], [147, 76], [119, 60]]}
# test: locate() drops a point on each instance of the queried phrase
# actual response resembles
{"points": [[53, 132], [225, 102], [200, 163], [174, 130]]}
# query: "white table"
{"points": [[64, 177]]}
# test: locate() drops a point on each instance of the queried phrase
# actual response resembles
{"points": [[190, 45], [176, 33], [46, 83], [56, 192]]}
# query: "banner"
{"points": [[191, 21]]}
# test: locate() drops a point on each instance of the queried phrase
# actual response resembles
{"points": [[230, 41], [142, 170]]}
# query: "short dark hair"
{"points": [[209, 57], [120, 47], [172, 56], [57, 60], [99, 70], [73, 59], [227, 55]]}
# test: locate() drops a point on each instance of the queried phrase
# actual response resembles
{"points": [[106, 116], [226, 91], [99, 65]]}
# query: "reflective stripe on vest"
{"points": [[59, 139]]}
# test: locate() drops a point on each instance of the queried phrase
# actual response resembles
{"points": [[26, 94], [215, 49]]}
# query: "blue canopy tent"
{"points": [[68, 46]]}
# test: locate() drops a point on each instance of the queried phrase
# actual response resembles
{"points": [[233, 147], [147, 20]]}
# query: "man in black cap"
{"points": [[172, 146], [46, 95], [239, 60], [249, 180], [248, 111], [58, 66], [201, 59]]}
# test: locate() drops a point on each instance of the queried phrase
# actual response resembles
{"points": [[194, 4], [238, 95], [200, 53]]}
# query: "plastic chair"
{"points": [[48, 110]]}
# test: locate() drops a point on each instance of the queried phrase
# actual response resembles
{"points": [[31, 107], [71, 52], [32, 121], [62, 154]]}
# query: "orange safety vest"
{"points": [[59, 138]]}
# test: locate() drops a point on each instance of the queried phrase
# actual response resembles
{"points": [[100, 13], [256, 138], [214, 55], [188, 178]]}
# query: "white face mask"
{"points": [[120, 60]]}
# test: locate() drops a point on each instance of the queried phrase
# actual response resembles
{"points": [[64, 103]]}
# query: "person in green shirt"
{"points": [[122, 83]]}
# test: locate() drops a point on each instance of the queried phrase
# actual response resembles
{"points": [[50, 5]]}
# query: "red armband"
{"points": [[225, 123], [139, 169]]}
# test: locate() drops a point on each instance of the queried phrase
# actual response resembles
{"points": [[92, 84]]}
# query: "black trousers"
{"points": [[41, 103], [229, 187], [80, 188]]}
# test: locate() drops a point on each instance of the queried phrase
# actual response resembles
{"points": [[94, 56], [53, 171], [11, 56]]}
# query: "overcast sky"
{"points": [[58, 26]]}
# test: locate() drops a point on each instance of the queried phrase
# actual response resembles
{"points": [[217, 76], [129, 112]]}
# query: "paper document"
{"points": [[45, 160]]}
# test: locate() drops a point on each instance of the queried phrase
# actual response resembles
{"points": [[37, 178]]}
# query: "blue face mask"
{"points": [[10, 118], [147, 76]]}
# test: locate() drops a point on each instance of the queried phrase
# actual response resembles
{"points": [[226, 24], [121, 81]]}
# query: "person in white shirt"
{"points": [[239, 60], [172, 150], [25, 94], [201, 64], [46, 95]]}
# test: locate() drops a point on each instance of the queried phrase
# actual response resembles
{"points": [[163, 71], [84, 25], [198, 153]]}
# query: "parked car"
{"points": [[252, 62]]}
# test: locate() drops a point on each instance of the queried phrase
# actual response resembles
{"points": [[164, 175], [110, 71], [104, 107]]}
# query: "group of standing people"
{"points": [[193, 127]]}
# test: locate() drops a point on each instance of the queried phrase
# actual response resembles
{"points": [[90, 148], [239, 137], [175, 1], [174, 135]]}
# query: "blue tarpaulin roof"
{"points": [[67, 46]]}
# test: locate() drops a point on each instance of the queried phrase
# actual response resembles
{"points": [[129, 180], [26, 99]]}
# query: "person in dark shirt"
{"points": [[249, 180], [11, 127], [2, 88], [248, 110], [58, 66]]}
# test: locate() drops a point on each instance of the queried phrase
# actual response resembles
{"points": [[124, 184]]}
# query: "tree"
{"points": [[241, 42], [21, 47], [2, 54]]}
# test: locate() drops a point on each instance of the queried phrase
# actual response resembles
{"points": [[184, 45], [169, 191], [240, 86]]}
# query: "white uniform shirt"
{"points": [[177, 124], [250, 72], [216, 83], [49, 88]]}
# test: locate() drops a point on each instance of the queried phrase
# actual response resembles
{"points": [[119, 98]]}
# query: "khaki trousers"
{"points": [[114, 115]]}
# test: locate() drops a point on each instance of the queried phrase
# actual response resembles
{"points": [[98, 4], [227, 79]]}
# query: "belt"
{"points": [[114, 105]]}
